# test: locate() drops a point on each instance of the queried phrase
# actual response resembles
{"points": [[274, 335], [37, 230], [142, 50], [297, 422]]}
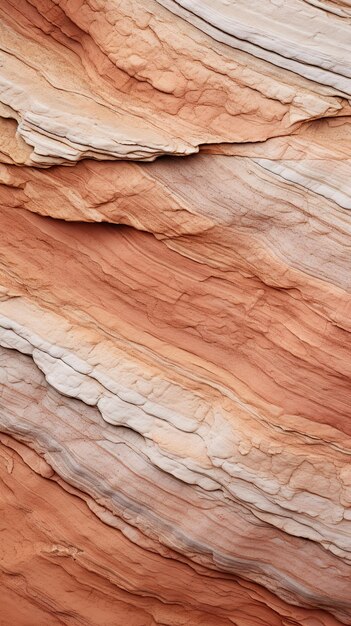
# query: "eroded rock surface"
{"points": [[175, 415]]}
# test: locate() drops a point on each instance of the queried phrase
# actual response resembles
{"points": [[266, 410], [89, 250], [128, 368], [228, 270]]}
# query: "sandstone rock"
{"points": [[175, 336], [120, 80]]}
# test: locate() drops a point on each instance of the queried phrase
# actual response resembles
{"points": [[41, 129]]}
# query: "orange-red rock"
{"points": [[175, 336]]}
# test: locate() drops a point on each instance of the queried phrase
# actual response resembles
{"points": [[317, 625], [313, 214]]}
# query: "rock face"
{"points": [[175, 365]]}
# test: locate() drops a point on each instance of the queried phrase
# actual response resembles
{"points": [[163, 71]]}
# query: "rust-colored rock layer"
{"points": [[175, 365]]}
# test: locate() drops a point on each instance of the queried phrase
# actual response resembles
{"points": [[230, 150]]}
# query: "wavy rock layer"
{"points": [[175, 410]]}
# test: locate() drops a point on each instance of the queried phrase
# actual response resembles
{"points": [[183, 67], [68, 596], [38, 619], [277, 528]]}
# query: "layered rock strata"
{"points": [[175, 365]]}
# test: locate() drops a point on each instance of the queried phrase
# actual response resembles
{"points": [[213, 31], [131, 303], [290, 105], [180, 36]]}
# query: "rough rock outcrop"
{"points": [[175, 415]]}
